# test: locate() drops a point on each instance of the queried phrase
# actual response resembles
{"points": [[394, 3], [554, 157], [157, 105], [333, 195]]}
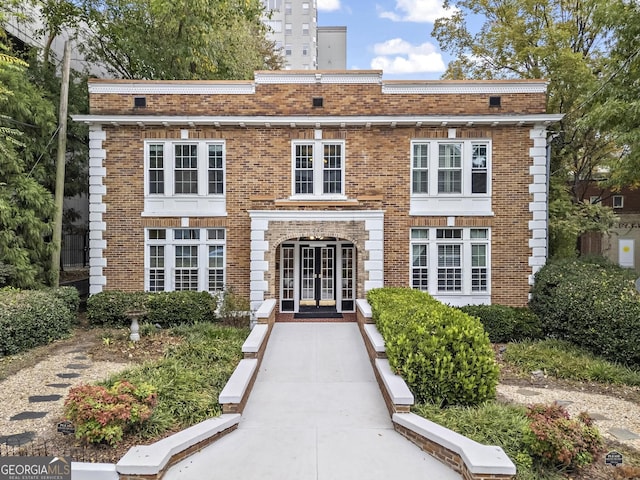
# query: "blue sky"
{"points": [[390, 35]]}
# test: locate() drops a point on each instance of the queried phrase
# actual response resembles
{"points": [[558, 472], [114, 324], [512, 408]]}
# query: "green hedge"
{"points": [[168, 309], [70, 297], [443, 354], [506, 324], [594, 305], [29, 318]]}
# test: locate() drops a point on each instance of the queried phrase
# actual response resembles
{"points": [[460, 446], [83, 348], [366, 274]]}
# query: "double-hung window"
{"points": [[185, 168], [184, 177], [450, 261], [185, 259], [318, 169], [450, 177]]}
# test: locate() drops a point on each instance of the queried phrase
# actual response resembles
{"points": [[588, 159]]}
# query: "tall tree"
{"points": [[182, 39], [615, 106], [25, 205], [566, 43]]}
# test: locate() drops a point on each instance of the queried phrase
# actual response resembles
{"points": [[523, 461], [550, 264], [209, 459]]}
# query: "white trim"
{"points": [[97, 207], [319, 121], [539, 204], [472, 88], [260, 219], [370, 77], [165, 88], [170, 204]]}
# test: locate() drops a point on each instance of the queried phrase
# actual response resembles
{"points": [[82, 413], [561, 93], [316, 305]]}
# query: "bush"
{"points": [[593, 305], [506, 324], [560, 441], [490, 423], [29, 318], [189, 379], [169, 309], [103, 415], [443, 354], [70, 297], [109, 309]]}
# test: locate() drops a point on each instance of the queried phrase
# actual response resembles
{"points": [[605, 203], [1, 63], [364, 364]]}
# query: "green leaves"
{"points": [[443, 354], [209, 39]]}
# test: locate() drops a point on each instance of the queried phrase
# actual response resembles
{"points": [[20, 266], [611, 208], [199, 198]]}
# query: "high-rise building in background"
{"points": [[304, 45]]}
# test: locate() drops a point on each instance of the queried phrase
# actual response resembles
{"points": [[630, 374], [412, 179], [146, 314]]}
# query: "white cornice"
{"points": [[370, 77], [182, 88], [320, 121], [471, 88]]}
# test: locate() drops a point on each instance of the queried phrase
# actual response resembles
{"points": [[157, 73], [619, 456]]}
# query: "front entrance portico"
{"points": [[320, 248]]}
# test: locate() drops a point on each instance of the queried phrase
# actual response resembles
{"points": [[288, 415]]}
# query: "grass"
{"points": [[492, 423], [190, 377], [564, 360]]}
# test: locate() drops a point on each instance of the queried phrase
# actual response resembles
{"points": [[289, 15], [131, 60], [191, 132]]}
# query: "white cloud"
{"points": [[421, 11], [399, 56], [328, 5]]}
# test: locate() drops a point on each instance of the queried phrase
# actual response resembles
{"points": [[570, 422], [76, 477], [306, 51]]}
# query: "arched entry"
{"points": [[317, 274], [362, 231]]}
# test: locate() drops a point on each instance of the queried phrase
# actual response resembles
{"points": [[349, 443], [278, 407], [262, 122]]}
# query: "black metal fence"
{"points": [[75, 250]]}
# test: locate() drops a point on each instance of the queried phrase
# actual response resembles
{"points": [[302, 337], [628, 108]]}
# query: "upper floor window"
{"points": [[618, 201], [288, 29], [272, 4], [318, 168], [185, 168], [305, 49], [459, 167], [287, 8], [274, 25], [305, 29]]}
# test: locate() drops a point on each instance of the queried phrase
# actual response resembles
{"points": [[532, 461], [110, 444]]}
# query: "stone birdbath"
{"points": [[134, 315]]}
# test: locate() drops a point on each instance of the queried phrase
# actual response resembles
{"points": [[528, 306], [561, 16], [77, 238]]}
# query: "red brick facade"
{"points": [[258, 129]]}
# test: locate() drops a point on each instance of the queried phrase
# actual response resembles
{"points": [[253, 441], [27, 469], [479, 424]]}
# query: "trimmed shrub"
{"points": [[109, 309], [561, 441], [593, 305], [104, 415], [170, 309], [506, 324], [29, 318], [70, 297], [443, 354]]}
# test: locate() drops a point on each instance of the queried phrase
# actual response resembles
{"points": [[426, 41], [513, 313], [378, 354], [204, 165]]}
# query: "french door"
{"points": [[317, 276]]}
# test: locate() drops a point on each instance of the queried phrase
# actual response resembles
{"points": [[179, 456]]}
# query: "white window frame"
{"points": [[617, 201], [433, 202], [169, 243], [429, 240], [318, 170], [169, 203], [169, 166]]}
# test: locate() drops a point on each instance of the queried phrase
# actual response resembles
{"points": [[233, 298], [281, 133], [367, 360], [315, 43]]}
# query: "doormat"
{"points": [[320, 314]]}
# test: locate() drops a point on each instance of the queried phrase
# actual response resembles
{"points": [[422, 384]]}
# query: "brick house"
{"points": [[311, 188]]}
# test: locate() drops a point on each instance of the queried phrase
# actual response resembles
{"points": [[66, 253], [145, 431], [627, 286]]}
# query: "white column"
{"points": [[539, 206], [97, 208]]}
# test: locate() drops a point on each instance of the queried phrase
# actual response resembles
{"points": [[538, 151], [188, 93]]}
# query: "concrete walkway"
{"points": [[315, 413]]}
